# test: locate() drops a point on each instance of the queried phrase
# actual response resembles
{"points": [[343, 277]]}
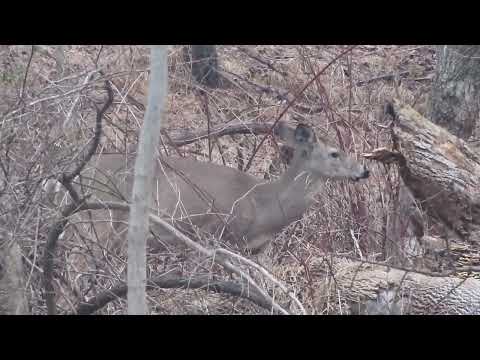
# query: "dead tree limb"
{"points": [[176, 282], [440, 170], [182, 137], [58, 227], [379, 289]]}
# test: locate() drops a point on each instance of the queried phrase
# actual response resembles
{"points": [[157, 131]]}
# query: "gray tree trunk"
{"points": [[204, 64], [455, 96], [142, 186], [12, 296]]}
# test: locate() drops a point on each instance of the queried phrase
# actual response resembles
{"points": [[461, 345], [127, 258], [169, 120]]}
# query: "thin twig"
{"points": [[53, 97], [207, 113], [269, 276], [70, 112], [98, 56], [388, 77], [256, 57], [24, 83]]}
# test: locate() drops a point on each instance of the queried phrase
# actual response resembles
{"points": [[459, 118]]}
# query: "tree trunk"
{"points": [[455, 96], [142, 186], [12, 297], [204, 64]]}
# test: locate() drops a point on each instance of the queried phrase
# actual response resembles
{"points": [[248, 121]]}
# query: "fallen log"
{"points": [[440, 169], [376, 289]]}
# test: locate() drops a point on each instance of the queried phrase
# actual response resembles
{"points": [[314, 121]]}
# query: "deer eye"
{"points": [[334, 155]]}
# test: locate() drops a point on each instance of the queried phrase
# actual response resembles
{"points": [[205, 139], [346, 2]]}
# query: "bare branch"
{"points": [[169, 281], [257, 57], [265, 273], [182, 137], [96, 138], [58, 227]]}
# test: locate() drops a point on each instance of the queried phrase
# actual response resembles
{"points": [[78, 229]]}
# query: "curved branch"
{"points": [[96, 138], [59, 226], [55, 231], [175, 282]]}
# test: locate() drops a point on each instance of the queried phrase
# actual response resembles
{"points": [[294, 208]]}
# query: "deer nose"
{"points": [[365, 174]]}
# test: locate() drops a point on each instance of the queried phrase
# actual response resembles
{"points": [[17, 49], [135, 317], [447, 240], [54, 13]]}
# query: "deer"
{"points": [[232, 205]]}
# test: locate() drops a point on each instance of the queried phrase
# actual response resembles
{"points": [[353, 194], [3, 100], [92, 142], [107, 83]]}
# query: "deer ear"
{"points": [[304, 134]]}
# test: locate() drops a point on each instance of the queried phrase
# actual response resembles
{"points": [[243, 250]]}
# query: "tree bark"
{"points": [[454, 105], [142, 186], [204, 65], [455, 96], [373, 289]]}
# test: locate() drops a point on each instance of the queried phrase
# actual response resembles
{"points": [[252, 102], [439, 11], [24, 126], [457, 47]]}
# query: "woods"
{"points": [[403, 240]]}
